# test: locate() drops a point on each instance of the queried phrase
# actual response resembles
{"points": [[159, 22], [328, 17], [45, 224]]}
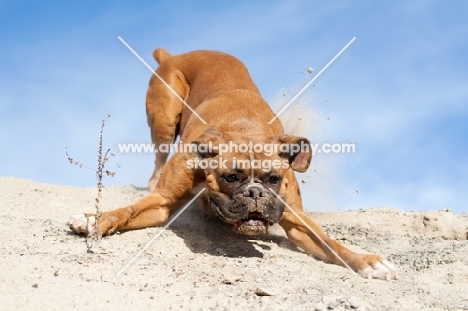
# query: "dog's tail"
{"points": [[161, 54]]}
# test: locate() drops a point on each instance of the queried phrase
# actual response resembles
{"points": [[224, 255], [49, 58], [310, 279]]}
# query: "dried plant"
{"points": [[103, 158]]}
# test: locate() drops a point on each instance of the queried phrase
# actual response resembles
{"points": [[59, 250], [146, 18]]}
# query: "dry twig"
{"points": [[100, 173]]}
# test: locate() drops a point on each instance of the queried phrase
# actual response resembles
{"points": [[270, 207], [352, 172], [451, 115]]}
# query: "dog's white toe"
{"points": [[82, 224], [380, 270]]}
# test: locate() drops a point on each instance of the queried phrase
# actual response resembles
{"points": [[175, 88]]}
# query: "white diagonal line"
{"points": [[161, 79], [311, 81], [313, 231], [159, 233]]}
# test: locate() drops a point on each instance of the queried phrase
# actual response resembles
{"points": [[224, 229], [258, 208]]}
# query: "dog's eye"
{"points": [[231, 178], [274, 180]]}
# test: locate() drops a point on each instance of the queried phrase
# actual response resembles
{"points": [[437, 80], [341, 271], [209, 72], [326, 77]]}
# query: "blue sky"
{"points": [[400, 90]]}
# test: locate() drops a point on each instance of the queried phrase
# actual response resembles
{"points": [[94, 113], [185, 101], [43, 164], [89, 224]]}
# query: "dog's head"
{"points": [[246, 179]]}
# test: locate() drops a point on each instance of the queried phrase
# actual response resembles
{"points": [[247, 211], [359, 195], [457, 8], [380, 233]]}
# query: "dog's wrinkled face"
{"points": [[241, 196], [242, 186]]}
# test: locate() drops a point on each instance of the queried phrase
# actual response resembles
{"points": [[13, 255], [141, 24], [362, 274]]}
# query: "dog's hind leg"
{"points": [[164, 109]]}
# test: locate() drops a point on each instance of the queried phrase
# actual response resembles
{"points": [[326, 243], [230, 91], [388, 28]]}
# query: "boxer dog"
{"points": [[251, 188]]}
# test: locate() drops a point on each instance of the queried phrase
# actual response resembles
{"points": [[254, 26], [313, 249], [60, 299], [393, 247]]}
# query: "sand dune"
{"points": [[199, 264]]}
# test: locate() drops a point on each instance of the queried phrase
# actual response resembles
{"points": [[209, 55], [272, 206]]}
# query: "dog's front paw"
{"points": [[374, 267], [82, 224]]}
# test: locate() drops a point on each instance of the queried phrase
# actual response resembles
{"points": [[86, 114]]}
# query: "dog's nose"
{"points": [[254, 192]]}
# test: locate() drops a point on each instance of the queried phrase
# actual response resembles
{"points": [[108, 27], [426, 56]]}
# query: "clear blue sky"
{"points": [[400, 90]]}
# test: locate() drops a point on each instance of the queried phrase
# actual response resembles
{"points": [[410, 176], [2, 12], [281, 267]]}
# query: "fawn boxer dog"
{"points": [[250, 188]]}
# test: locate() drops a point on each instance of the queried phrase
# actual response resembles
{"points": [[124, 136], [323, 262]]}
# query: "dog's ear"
{"points": [[297, 150], [206, 145]]}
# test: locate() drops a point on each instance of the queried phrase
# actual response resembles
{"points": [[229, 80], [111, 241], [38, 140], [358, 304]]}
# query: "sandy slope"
{"points": [[201, 265]]}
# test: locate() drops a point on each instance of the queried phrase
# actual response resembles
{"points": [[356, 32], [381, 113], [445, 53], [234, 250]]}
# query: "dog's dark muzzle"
{"points": [[251, 210]]}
